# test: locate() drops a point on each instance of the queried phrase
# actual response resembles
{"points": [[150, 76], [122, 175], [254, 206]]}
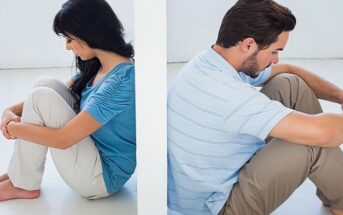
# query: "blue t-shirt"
{"points": [[217, 121], [111, 102]]}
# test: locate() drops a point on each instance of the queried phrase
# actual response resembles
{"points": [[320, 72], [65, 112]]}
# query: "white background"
{"points": [[193, 26], [27, 39]]}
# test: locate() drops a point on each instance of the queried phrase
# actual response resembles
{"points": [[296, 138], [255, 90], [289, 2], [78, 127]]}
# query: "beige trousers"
{"points": [[49, 104], [274, 173]]}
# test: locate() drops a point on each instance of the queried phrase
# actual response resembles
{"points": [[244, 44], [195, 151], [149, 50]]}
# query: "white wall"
{"points": [[26, 36], [193, 26], [151, 108], [27, 39]]}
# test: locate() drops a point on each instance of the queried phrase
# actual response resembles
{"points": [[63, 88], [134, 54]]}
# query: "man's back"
{"points": [[212, 114]]}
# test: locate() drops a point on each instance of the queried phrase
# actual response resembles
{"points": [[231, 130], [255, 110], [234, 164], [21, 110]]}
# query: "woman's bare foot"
{"points": [[337, 211], [4, 177], [8, 191]]}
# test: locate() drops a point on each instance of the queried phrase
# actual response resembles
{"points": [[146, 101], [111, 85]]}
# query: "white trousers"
{"points": [[49, 104]]}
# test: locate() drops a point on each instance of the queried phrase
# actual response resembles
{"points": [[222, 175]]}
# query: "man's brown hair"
{"points": [[262, 20]]}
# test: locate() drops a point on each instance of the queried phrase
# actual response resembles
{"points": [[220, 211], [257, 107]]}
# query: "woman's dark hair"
{"points": [[262, 20], [94, 22]]}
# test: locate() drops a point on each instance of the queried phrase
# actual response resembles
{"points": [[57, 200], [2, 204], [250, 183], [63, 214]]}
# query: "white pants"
{"points": [[49, 105]]}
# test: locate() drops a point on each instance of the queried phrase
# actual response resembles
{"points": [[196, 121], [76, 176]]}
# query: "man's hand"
{"points": [[341, 99], [7, 117]]}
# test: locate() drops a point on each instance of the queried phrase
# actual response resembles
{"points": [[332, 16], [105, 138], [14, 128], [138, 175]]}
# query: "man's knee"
{"points": [[287, 81], [290, 89]]}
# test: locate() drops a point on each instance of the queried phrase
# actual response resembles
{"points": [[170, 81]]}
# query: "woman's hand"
{"points": [[7, 117], [10, 128]]}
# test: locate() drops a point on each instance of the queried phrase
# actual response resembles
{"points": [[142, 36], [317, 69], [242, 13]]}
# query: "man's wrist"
{"points": [[340, 97]]}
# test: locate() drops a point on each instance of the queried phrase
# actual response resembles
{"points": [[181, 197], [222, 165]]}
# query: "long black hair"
{"points": [[94, 22]]}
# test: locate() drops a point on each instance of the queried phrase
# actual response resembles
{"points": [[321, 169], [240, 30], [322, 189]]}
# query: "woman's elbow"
{"points": [[62, 143]]}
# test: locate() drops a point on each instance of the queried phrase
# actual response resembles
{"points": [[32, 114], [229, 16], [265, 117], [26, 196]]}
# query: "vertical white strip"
{"points": [[151, 104]]}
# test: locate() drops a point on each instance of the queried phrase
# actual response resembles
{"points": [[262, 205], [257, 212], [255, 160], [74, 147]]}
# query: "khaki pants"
{"points": [[49, 105], [274, 173]]}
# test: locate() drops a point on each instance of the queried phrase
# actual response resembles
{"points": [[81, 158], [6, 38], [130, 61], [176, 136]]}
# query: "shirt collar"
{"points": [[219, 62]]}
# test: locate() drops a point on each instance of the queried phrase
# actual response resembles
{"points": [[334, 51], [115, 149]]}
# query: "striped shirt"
{"points": [[217, 120]]}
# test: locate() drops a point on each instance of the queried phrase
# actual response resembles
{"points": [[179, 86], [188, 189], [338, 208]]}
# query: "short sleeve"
{"points": [[259, 80], [114, 96], [254, 114]]}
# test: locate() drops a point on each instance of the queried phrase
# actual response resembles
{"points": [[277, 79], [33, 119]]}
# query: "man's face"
{"points": [[259, 60]]}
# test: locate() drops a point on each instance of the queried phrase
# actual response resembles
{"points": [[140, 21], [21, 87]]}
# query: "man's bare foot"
{"points": [[4, 177], [337, 211], [8, 191]]}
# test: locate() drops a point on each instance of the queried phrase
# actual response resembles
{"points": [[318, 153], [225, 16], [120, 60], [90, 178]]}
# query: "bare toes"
{"points": [[8, 192]]}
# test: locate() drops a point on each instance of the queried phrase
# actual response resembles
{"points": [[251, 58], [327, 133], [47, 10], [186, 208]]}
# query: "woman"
{"points": [[88, 123]]}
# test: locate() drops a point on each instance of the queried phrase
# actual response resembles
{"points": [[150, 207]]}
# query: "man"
{"points": [[219, 159]]}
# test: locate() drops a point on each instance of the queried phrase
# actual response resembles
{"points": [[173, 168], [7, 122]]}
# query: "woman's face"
{"points": [[79, 48]]}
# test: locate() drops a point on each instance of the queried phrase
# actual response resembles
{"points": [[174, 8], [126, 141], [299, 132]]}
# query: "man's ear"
{"points": [[248, 45]]}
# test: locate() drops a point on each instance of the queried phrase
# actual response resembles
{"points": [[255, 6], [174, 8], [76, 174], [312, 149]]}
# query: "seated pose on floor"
{"points": [[218, 123], [88, 123]]}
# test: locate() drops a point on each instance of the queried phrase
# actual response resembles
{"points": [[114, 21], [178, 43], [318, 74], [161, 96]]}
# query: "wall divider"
{"points": [[151, 103]]}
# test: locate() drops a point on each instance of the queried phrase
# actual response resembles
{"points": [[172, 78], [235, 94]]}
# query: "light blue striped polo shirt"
{"points": [[217, 120]]}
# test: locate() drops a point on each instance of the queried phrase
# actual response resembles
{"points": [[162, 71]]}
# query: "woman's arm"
{"points": [[73, 132], [12, 113], [69, 82], [17, 109]]}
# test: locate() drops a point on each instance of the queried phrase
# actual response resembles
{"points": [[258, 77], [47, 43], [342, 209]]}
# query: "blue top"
{"points": [[217, 121], [111, 102]]}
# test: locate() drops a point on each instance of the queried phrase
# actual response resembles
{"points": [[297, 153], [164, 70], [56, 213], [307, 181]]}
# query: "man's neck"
{"points": [[230, 55]]}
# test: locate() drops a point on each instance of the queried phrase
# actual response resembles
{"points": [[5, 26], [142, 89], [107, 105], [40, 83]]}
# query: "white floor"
{"points": [[57, 198]]}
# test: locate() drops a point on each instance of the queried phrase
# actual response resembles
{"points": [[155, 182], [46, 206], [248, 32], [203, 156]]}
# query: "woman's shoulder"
{"points": [[123, 72], [121, 76]]}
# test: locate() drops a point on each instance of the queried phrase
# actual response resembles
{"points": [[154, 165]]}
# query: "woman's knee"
{"points": [[46, 81], [42, 93], [39, 100]]}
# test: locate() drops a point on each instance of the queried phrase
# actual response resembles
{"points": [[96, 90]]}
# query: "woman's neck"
{"points": [[109, 60]]}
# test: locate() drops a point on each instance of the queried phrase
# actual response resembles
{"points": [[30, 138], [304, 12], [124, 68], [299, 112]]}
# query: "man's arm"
{"points": [[322, 88], [74, 131], [324, 130]]}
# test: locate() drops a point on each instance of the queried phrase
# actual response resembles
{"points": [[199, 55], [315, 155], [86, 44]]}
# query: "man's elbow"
{"points": [[327, 137]]}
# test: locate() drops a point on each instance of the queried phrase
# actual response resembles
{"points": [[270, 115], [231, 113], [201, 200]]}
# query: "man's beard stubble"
{"points": [[250, 66]]}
